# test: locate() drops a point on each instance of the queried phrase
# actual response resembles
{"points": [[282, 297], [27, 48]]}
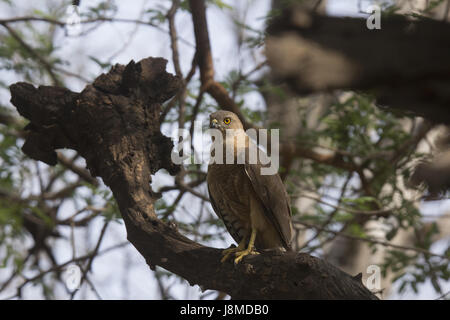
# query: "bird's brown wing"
{"points": [[273, 196], [214, 205]]}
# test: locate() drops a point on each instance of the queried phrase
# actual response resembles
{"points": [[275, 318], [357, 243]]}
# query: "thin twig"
{"points": [[443, 296], [92, 257], [378, 213], [374, 241], [47, 66]]}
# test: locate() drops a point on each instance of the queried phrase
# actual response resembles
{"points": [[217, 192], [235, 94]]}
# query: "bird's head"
{"points": [[224, 120]]}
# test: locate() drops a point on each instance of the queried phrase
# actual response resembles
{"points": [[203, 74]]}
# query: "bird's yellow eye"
{"points": [[227, 120]]}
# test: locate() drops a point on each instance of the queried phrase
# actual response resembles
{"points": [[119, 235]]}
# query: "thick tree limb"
{"points": [[114, 125], [405, 64]]}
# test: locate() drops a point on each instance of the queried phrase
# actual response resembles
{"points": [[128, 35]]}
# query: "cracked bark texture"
{"points": [[114, 124]]}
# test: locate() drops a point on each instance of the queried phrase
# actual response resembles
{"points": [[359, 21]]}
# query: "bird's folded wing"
{"points": [[273, 196]]}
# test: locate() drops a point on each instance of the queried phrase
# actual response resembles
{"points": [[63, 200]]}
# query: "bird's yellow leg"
{"points": [[250, 249], [231, 251]]}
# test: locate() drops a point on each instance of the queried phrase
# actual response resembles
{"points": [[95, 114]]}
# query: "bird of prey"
{"points": [[254, 207]]}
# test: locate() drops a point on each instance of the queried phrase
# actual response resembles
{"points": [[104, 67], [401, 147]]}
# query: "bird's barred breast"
{"points": [[229, 189]]}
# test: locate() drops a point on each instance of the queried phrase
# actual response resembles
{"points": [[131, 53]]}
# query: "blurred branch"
{"points": [[90, 260], [443, 296], [182, 91], [377, 213], [63, 193], [31, 18], [403, 64], [205, 62], [90, 21], [332, 214], [47, 66], [373, 241], [84, 221], [59, 267], [337, 158], [82, 173], [173, 36]]}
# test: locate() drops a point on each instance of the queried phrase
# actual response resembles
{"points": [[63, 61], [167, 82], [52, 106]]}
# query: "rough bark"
{"points": [[114, 125], [405, 64]]}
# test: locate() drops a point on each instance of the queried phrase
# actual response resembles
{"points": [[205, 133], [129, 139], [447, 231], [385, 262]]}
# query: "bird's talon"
{"points": [[241, 254], [227, 253], [229, 250]]}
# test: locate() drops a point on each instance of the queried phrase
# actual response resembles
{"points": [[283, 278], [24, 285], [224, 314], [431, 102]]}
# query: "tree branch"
{"points": [[205, 62], [114, 124], [403, 64]]}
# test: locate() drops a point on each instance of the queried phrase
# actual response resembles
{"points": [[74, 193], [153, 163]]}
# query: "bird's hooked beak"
{"points": [[214, 124]]}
